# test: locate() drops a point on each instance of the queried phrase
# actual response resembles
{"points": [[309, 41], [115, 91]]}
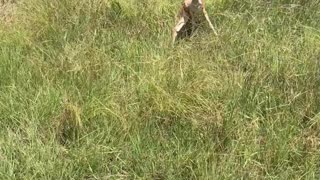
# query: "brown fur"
{"points": [[189, 17]]}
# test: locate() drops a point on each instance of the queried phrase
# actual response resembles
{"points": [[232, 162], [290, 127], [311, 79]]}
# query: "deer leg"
{"points": [[181, 22], [210, 24]]}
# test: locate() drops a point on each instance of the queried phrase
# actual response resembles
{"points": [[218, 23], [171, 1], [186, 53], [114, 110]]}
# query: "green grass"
{"points": [[94, 90]]}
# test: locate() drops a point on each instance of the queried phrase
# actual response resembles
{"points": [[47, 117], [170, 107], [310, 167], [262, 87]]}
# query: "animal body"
{"points": [[191, 14]]}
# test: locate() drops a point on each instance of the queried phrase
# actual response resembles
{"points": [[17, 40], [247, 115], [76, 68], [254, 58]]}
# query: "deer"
{"points": [[189, 17]]}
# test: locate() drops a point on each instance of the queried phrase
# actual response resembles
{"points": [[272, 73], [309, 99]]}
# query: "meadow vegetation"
{"points": [[93, 89]]}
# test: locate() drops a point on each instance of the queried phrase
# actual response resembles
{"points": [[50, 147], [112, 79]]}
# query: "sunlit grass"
{"points": [[94, 90]]}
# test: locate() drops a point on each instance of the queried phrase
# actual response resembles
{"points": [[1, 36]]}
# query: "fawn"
{"points": [[189, 17]]}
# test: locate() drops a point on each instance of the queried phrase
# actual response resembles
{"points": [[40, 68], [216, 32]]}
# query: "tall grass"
{"points": [[94, 90]]}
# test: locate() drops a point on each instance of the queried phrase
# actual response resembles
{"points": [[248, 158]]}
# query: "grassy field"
{"points": [[92, 89]]}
